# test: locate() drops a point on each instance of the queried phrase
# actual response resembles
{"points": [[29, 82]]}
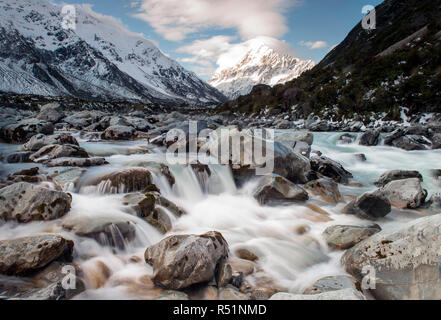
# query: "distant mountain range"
{"points": [[99, 59], [395, 66], [260, 65]]}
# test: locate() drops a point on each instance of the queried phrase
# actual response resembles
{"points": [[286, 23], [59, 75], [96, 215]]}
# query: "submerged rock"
{"points": [[345, 237], [275, 188], [325, 188], [393, 175], [405, 193], [406, 262], [183, 260], [370, 205], [25, 202], [23, 255]]}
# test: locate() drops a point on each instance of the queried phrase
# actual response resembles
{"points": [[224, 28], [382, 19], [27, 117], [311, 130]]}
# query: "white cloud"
{"points": [[219, 53], [312, 45], [175, 19]]}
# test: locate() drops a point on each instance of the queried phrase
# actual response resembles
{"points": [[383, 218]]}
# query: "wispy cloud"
{"points": [[313, 45], [175, 19]]}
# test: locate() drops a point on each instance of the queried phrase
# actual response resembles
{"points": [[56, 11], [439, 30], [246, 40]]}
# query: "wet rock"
{"points": [[290, 138], [361, 157], [370, 205], [274, 188], [224, 275], [332, 283], [325, 188], [344, 294], [319, 126], [47, 284], [21, 131], [369, 138], [231, 293], [52, 112], [19, 157], [345, 237], [25, 202], [405, 194], [173, 295], [412, 142], [40, 140], [245, 267], [245, 254], [107, 231], [27, 172], [393, 175], [118, 132], [23, 255], [436, 141], [180, 261], [151, 206], [331, 169], [346, 138], [76, 162], [123, 181], [406, 261], [139, 123], [55, 151]]}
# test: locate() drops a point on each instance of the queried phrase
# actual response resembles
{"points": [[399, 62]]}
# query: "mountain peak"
{"points": [[260, 64]]}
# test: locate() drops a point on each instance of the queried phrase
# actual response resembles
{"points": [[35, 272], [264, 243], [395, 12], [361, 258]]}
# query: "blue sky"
{"points": [[198, 32]]}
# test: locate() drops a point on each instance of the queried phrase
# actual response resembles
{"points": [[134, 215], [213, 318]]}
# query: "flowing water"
{"points": [[212, 202]]}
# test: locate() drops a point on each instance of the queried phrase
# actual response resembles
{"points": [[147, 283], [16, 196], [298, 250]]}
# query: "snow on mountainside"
{"points": [[260, 65], [98, 59]]}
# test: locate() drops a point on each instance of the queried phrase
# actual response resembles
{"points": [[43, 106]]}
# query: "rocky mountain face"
{"points": [[260, 65], [99, 59], [392, 68]]}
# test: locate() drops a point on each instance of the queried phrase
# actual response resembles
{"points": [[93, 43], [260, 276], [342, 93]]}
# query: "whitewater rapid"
{"points": [[293, 260]]}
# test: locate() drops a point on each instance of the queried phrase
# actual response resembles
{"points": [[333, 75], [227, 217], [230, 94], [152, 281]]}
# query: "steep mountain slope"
{"points": [[98, 59], [395, 66], [260, 65]]}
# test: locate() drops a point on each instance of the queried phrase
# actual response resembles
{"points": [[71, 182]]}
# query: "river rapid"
{"points": [[293, 260]]}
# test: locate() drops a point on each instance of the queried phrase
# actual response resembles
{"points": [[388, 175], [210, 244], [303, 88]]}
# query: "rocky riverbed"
{"points": [[91, 193]]}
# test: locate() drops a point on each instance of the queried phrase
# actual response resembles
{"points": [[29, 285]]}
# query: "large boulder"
{"points": [[118, 132], [180, 261], [40, 140], [412, 142], [344, 237], [406, 262], [275, 188], [23, 255], [393, 175], [369, 138], [25, 202], [19, 132], [370, 205], [326, 188], [122, 181], [405, 193], [436, 141], [329, 168], [54, 151], [343, 294], [51, 112]]}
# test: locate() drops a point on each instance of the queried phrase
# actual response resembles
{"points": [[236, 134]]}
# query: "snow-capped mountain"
{"points": [[260, 65], [100, 58]]}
